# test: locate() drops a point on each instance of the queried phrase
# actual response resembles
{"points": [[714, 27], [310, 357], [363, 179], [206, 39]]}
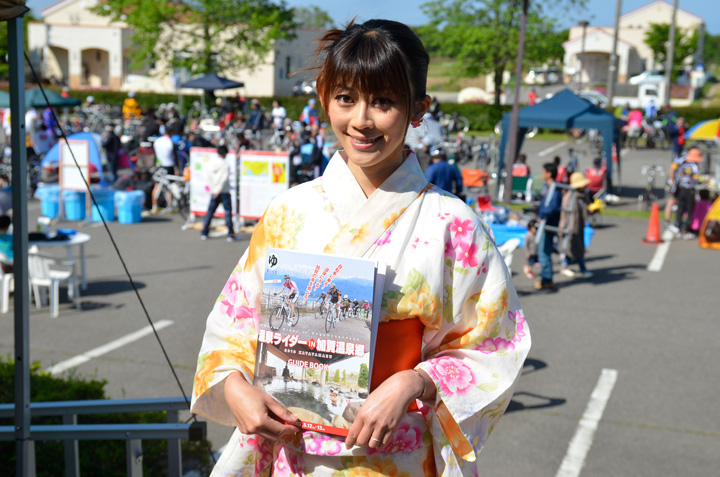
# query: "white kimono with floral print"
{"points": [[443, 268]]}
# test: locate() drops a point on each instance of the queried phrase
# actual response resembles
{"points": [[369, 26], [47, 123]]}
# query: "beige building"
{"points": [[634, 56], [73, 46]]}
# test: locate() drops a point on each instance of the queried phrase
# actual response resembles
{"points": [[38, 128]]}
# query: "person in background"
{"points": [[442, 174], [596, 175], [520, 167], [532, 97], [650, 110], [531, 249], [676, 132], [550, 211], [130, 107], [49, 120], [561, 175], [166, 158], [686, 180], [6, 244], [44, 139], [309, 114], [634, 127], [111, 144], [278, 114], [217, 173], [576, 224]]}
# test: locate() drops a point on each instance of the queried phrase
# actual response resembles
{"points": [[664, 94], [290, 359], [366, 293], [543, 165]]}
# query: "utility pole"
{"points": [[613, 71], [669, 61], [584, 24], [512, 149]]}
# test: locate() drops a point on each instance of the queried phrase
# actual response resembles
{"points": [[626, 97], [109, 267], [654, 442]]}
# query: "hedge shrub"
{"points": [[106, 458]]}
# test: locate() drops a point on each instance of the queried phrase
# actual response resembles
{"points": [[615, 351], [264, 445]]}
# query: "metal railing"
{"points": [[71, 432]]}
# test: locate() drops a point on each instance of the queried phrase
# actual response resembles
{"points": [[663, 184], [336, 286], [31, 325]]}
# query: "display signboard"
{"points": [[263, 176], [70, 177], [199, 189]]}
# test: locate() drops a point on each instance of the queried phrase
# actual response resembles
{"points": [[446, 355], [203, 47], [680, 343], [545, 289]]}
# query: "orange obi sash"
{"points": [[398, 347]]}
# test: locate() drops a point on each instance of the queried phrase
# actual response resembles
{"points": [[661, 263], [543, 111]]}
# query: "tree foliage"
{"points": [[363, 376], [313, 16], [712, 49], [203, 36], [336, 378], [658, 36], [482, 36], [4, 46]]}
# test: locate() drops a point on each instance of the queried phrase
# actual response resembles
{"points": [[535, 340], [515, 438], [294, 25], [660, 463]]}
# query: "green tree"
{"points": [[4, 47], [313, 16], [363, 376], [343, 378], [712, 49], [657, 37], [482, 36], [309, 373], [203, 36], [336, 378], [327, 376]]}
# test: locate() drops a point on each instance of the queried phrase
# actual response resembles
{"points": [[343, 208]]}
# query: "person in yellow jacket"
{"points": [[131, 108]]}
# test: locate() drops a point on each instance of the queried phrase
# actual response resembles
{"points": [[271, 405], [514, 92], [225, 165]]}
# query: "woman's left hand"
{"points": [[383, 410]]}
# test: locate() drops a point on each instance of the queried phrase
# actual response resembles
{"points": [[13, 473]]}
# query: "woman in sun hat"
{"points": [[576, 223]]}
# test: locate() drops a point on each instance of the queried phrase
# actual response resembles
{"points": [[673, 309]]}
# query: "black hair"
{"points": [[222, 150], [5, 222], [551, 168], [378, 56]]}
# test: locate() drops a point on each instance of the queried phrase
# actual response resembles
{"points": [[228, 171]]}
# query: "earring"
{"points": [[416, 122]]}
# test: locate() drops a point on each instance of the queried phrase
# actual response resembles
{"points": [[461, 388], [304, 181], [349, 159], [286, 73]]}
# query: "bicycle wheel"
{"points": [[328, 321], [319, 312], [293, 320], [277, 317]]}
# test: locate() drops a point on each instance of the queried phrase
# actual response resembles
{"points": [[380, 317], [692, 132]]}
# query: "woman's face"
{"points": [[371, 129]]}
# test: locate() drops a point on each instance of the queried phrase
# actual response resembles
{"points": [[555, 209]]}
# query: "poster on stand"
{"points": [[263, 176], [70, 177], [199, 189]]}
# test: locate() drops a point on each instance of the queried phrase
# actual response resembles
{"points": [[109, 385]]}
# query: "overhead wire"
{"points": [[120, 256]]}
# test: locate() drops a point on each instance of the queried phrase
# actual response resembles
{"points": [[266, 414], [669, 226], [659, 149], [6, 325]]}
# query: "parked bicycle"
{"points": [[648, 197], [281, 313]]}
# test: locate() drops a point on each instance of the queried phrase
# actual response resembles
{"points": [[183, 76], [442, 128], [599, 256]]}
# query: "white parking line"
{"points": [[658, 259], [581, 442], [552, 149], [106, 348]]}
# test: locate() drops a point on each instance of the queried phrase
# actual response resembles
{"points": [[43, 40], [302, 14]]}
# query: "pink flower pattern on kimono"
{"points": [[519, 320], [288, 463], [452, 375], [321, 444], [407, 438], [384, 238], [461, 230], [450, 250], [467, 254], [234, 297], [497, 345]]}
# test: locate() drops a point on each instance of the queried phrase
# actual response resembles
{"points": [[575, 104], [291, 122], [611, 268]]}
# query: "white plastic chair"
{"points": [[7, 284], [47, 272]]}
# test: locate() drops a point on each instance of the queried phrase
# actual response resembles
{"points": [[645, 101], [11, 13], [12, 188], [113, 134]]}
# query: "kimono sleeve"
{"points": [[230, 338], [476, 353]]}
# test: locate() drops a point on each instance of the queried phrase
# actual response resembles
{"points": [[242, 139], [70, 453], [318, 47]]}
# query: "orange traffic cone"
{"points": [[653, 231]]}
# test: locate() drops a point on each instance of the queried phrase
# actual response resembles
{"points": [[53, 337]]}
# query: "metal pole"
{"points": [[16, 48], [515, 115], [670, 54], [613, 72], [583, 24]]}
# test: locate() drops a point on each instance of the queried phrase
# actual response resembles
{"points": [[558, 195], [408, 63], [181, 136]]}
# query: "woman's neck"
{"points": [[371, 178]]}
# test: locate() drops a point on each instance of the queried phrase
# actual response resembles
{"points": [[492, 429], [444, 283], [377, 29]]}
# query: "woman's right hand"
{"points": [[256, 412]]}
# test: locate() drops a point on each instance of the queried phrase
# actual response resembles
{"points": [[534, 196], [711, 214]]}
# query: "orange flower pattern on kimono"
{"points": [[443, 269]]}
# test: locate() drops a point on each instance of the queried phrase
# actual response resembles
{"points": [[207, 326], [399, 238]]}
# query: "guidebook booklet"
{"points": [[318, 362]]}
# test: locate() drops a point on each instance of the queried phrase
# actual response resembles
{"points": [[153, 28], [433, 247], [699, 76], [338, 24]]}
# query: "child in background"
{"points": [[6, 244], [700, 211], [531, 249]]}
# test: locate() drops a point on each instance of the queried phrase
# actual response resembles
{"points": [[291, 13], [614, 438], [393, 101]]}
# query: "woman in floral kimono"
{"points": [[452, 337]]}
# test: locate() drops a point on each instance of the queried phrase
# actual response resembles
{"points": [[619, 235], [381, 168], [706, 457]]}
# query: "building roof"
{"points": [[594, 31], [663, 2]]}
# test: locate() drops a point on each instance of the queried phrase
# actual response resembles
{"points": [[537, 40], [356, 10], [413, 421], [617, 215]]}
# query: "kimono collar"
{"points": [[362, 220]]}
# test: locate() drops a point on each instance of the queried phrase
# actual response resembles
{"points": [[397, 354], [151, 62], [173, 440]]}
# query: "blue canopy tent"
{"points": [[566, 110], [212, 82], [95, 148]]}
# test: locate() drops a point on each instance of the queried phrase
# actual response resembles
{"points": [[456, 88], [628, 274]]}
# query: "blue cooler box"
{"points": [[106, 204], [49, 200], [74, 202], [129, 205]]}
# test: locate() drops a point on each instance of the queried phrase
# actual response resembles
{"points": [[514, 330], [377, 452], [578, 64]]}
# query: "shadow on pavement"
{"points": [[605, 275], [525, 401], [109, 287]]}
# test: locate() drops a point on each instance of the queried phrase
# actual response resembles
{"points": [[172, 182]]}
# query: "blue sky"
{"points": [[598, 12]]}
